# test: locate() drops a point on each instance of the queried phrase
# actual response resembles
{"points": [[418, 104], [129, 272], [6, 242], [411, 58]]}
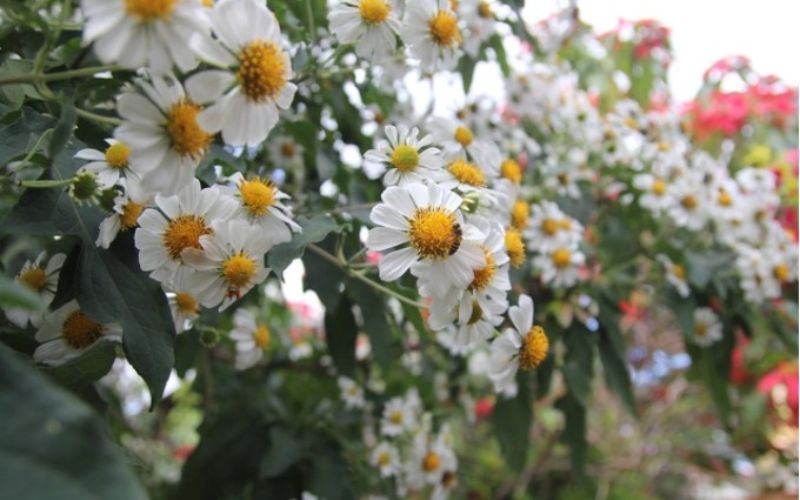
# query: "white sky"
{"points": [[703, 31]]}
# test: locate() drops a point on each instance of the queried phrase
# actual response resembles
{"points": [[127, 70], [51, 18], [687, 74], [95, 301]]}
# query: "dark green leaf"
{"points": [[90, 366], [574, 434], [466, 66], [511, 420], [54, 446], [375, 324], [612, 355], [315, 230], [577, 368], [340, 336], [63, 129], [284, 450], [13, 294]]}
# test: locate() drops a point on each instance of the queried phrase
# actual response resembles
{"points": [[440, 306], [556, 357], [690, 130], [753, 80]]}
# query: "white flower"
{"points": [[432, 33], [128, 207], [247, 94], [260, 202], [285, 152], [230, 263], [135, 33], [564, 182], [676, 275], [252, 339], [176, 225], [430, 459], [301, 350], [398, 416], [550, 228], [162, 130], [352, 393], [479, 19], [42, 278], [688, 208], [109, 165], [525, 346], [411, 160], [654, 195], [559, 266], [369, 24], [427, 223], [707, 328], [67, 332], [386, 458], [182, 303]]}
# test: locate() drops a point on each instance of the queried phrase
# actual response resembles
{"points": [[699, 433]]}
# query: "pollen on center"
{"points": [[239, 269], [444, 29], [184, 232], [189, 139], [374, 11], [466, 172], [405, 158], [434, 233], [533, 349], [257, 195], [262, 70], [80, 331]]}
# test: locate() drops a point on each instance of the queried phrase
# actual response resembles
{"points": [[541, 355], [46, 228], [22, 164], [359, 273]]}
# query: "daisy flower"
{"points": [[676, 275], [564, 183], [68, 332], [654, 195], [688, 203], [247, 94], [707, 328], [398, 417], [431, 32], [136, 33], [410, 160], [176, 224], [479, 18], [109, 165], [251, 337], [369, 24], [285, 151], [550, 228], [456, 138], [523, 347], [559, 266], [352, 393], [128, 207], [41, 277], [386, 458], [261, 203], [229, 263], [182, 303], [430, 458], [427, 223], [515, 248], [474, 323], [160, 125]]}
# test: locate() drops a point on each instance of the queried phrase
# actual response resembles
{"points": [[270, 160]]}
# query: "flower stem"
{"points": [[108, 120], [360, 277], [46, 184], [51, 77]]}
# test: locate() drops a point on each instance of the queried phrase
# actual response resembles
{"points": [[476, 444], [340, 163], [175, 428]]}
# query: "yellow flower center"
{"points": [[130, 214], [468, 173], [374, 11], [514, 247], [485, 10], [663, 146], [384, 459], [781, 272], [563, 179], [463, 136], [257, 195], [444, 29], [396, 417], [431, 462], [520, 213], [34, 278], [261, 337], [188, 137], [484, 275], [511, 170], [434, 233], [550, 226], [700, 329], [207, 3], [561, 257], [405, 158], [689, 202], [565, 224], [659, 187], [117, 155], [678, 272], [184, 232], [262, 70], [533, 349], [288, 149], [239, 269], [186, 303], [631, 123], [80, 331], [149, 10], [724, 198]]}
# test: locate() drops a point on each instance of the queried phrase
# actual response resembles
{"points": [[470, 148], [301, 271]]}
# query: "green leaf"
{"points": [[284, 451], [340, 336], [574, 433], [315, 230], [14, 294], [577, 368], [612, 354], [376, 326], [52, 445], [89, 367], [330, 477], [497, 44], [20, 134], [466, 66], [702, 267], [63, 130], [511, 421]]}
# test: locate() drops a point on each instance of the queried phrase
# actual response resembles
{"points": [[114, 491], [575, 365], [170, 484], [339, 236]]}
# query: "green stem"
{"points": [[311, 25], [25, 161], [108, 120], [360, 277], [46, 184], [52, 77]]}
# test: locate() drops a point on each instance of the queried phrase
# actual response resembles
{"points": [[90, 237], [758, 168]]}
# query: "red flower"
{"points": [[739, 374], [484, 407], [782, 378]]}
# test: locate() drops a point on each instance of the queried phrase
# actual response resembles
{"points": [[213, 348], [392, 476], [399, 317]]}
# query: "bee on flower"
{"points": [[110, 165], [41, 277], [137, 33], [409, 159], [706, 328], [524, 346], [431, 31], [68, 332], [372, 25], [251, 337], [244, 98], [160, 126], [128, 207]]}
